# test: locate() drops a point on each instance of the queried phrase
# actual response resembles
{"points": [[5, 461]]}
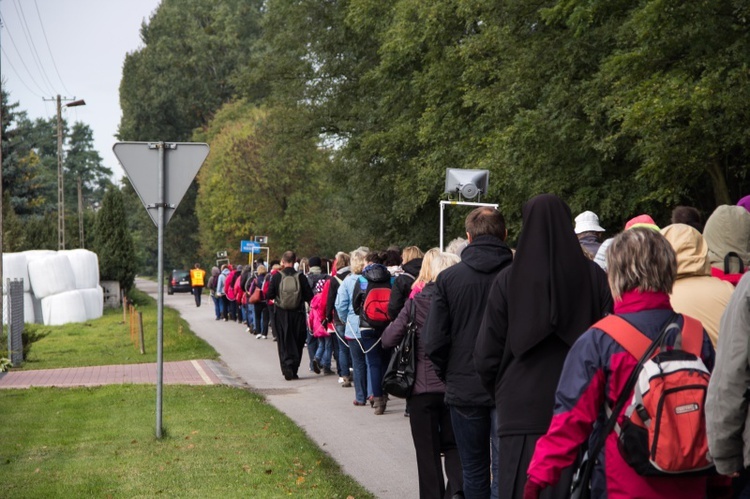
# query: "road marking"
{"points": [[201, 372]]}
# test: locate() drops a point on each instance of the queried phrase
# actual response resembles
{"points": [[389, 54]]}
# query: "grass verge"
{"points": [[99, 442], [106, 341]]}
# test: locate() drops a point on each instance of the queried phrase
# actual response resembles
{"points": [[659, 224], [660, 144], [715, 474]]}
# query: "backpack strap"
{"points": [[728, 258], [692, 335], [625, 334]]}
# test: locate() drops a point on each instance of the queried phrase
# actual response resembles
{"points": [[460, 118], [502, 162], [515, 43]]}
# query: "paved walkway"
{"points": [[188, 372]]}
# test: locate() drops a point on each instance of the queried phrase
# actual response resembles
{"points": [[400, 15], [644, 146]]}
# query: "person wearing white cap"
{"points": [[588, 231]]}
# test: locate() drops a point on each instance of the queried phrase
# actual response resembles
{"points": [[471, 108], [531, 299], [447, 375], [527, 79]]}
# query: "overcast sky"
{"points": [[74, 48]]}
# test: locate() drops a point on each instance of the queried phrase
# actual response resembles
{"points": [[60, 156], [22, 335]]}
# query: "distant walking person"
{"points": [[289, 290], [197, 281]]}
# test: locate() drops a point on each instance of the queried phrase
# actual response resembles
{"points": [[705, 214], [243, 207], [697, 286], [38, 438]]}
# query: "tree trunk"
{"points": [[718, 182]]}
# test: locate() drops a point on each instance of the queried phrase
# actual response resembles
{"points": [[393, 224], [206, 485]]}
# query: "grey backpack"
{"points": [[289, 295]]}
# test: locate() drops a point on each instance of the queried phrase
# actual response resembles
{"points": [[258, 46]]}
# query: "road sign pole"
{"points": [[160, 296], [175, 173]]}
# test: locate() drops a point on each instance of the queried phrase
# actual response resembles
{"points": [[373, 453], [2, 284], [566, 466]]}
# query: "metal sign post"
{"points": [[174, 174]]}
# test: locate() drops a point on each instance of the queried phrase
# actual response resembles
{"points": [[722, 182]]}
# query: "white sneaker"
{"points": [[258, 336], [341, 380], [263, 337], [247, 330]]}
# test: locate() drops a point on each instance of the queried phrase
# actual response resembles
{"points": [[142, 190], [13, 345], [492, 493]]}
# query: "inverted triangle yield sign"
{"points": [[140, 160]]}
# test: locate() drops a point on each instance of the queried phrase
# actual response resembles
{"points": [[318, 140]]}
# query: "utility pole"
{"points": [[60, 184], [60, 191], [80, 214]]}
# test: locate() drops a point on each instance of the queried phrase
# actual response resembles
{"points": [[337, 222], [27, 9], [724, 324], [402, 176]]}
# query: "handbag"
{"points": [[256, 296], [399, 377], [581, 486]]}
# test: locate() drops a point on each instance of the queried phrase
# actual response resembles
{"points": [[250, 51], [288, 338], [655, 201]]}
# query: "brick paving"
{"points": [[188, 372]]}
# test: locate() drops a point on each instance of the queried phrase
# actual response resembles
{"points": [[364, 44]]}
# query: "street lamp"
{"points": [[60, 194]]}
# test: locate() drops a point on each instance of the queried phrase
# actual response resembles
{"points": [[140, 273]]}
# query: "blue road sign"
{"points": [[249, 247]]}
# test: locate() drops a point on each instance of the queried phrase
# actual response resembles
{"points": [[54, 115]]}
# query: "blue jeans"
{"points": [[476, 437], [260, 311], [373, 360], [360, 372], [325, 350], [217, 306], [344, 362]]}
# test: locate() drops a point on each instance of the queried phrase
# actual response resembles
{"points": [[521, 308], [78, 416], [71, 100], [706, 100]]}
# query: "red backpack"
{"points": [[663, 432]]}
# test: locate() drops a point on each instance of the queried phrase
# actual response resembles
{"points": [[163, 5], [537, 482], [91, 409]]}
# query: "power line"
{"points": [[49, 49], [7, 59], [30, 41], [20, 57]]}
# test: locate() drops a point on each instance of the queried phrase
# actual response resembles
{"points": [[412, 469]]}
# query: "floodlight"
{"points": [[467, 183]]}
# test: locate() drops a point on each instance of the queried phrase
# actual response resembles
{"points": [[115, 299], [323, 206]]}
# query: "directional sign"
{"points": [[247, 246], [140, 160]]}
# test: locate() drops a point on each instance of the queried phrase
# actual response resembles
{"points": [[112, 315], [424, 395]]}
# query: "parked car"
{"points": [[179, 282]]}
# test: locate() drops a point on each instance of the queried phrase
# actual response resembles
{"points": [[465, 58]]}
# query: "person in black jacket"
{"points": [[411, 264], [290, 326], [450, 332], [536, 310]]}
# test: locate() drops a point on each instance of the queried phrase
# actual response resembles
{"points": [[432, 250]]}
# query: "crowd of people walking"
{"points": [[525, 357]]}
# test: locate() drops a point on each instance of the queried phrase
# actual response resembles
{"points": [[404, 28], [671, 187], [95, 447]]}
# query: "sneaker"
{"points": [[341, 379], [258, 336], [316, 366], [247, 330], [263, 337], [328, 371]]}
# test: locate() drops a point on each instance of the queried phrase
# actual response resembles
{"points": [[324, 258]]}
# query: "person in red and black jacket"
{"points": [[642, 268]]}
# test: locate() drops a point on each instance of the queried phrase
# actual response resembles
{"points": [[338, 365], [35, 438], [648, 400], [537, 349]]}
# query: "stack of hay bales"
{"points": [[63, 286]]}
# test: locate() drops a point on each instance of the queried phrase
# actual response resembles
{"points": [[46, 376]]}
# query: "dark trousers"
{"points": [[291, 331], [261, 318], [475, 430], [516, 452], [432, 433], [197, 292]]}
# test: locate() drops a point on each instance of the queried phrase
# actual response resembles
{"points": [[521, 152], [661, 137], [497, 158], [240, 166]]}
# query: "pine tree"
{"points": [[113, 242]]}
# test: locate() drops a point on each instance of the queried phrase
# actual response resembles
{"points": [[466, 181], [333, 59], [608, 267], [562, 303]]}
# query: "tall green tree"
{"points": [[83, 161], [113, 243], [172, 86]]}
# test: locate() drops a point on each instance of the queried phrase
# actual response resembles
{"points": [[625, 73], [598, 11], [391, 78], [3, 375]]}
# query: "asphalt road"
{"points": [[376, 450]]}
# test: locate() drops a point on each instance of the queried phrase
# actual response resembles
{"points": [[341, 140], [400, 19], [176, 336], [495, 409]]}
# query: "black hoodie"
{"points": [[402, 286], [455, 316]]}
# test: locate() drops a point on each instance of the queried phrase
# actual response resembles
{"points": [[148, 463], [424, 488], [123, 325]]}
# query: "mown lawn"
{"points": [[107, 340], [99, 442]]}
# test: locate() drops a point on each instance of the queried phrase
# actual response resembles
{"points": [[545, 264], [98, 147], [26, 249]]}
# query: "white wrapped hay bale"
{"points": [[85, 265], [14, 267], [63, 308], [51, 275], [93, 301]]}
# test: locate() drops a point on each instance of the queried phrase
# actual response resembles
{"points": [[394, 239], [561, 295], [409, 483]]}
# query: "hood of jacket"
{"points": [[413, 267], [728, 229], [691, 250], [376, 272], [486, 254]]}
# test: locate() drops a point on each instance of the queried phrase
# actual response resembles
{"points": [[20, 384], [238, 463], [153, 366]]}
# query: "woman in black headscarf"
{"points": [[536, 310]]}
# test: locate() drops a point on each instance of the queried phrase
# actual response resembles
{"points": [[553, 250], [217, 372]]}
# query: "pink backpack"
{"points": [[316, 316], [229, 286]]}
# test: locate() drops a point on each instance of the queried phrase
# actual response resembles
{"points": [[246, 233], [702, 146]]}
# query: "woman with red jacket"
{"points": [[642, 268]]}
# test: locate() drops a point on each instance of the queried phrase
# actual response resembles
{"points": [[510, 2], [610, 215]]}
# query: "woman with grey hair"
{"points": [[642, 269]]}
